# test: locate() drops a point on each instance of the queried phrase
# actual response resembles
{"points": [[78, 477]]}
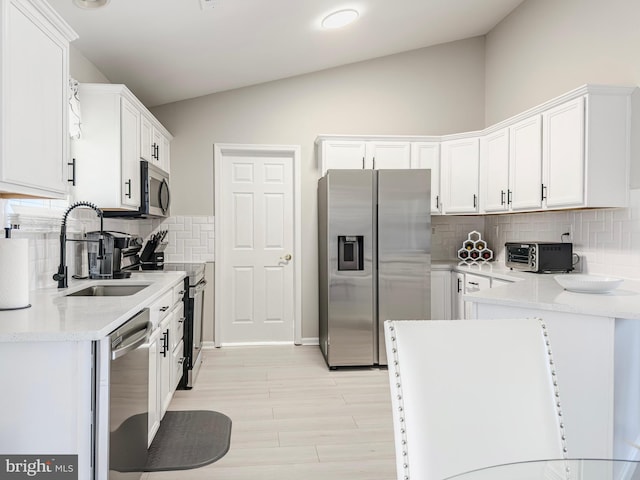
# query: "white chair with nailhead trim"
{"points": [[468, 394]]}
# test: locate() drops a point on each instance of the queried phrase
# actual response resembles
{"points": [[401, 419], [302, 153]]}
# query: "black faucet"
{"points": [[61, 276]]}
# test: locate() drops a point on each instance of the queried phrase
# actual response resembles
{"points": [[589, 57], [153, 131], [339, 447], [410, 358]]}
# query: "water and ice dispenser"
{"points": [[350, 252]]}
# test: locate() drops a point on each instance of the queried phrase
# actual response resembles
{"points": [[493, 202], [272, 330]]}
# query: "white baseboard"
{"points": [[305, 341]]}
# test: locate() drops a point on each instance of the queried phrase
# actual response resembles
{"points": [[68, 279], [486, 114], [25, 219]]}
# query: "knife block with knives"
{"points": [[152, 256]]}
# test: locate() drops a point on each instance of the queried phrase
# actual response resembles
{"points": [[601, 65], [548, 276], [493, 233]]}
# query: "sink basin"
{"points": [[108, 291]]}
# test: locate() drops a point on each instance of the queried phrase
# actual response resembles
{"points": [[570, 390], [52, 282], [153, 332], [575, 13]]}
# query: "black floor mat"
{"points": [[189, 439]]}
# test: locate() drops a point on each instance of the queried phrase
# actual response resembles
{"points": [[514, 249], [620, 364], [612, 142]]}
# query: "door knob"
{"points": [[286, 258]]}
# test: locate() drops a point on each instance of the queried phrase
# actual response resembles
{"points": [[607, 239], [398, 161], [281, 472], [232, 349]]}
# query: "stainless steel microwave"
{"points": [[539, 257], [155, 195]]}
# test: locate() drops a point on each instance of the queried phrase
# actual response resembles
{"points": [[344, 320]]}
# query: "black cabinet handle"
{"points": [[72, 164], [374, 163], [437, 202], [128, 184], [509, 199], [475, 201], [459, 285], [501, 197], [543, 192], [363, 163]]}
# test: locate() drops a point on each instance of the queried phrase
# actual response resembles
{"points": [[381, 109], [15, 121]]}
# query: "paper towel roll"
{"points": [[14, 273]]}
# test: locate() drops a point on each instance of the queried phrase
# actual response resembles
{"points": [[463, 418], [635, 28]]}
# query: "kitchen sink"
{"points": [[108, 291]]}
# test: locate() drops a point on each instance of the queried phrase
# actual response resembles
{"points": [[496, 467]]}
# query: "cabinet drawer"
{"points": [[161, 308], [178, 292]]}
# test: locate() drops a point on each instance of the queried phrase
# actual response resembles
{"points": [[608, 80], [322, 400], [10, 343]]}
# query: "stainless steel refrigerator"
{"points": [[375, 259]]}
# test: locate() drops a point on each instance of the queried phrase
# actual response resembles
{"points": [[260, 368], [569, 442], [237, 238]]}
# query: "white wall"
{"points": [[434, 90], [542, 49]]}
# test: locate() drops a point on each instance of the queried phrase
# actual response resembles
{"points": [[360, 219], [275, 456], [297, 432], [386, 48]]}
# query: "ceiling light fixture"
{"points": [[89, 4], [340, 18]]}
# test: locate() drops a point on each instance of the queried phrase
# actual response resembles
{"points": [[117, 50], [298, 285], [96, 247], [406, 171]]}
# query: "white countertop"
{"points": [[541, 291], [56, 317]]}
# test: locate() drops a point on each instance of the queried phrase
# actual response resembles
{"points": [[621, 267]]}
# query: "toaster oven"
{"points": [[539, 257]]}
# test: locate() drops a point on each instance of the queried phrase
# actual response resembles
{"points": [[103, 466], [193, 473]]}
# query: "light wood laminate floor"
{"points": [[292, 417]]}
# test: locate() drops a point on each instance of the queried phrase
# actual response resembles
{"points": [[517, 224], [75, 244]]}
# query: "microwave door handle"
{"points": [[164, 186]]}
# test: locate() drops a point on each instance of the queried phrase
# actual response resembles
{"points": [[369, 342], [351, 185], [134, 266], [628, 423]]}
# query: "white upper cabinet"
{"points": [[525, 165], [154, 144], [573, 151], [146, 135], [586, 146], [117, 132], [427, 155], [563, 155], [34, 66], [130, 155], [341, 154], [494, 171], [362, 154], [386, 155], [461, 168]]}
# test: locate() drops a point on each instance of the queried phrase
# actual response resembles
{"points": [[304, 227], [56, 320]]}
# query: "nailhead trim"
{"points": [[399, 395]]}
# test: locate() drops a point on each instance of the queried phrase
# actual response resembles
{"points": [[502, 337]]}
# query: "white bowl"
{"points": [[588, 283]]}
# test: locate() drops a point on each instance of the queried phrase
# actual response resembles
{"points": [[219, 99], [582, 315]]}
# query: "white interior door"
{"points": [[256, 254]]}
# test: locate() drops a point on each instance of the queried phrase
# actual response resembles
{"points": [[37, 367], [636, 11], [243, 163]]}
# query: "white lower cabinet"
{"points": [[440, 295], [457, 289], [166, 353], [464, 283]]}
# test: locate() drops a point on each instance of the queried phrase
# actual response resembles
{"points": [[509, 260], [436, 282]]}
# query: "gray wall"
{"points": [[434, 90], [82, 69], [547, 47]]}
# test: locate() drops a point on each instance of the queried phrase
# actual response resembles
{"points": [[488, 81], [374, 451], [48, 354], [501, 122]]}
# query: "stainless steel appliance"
{"points": [[129, 398], [193, 326], [539, 257], [155, 194], [375, 259], [119, 257]]}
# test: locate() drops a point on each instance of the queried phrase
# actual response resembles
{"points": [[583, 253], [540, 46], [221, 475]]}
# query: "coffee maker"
{"points": [[119, 256]]}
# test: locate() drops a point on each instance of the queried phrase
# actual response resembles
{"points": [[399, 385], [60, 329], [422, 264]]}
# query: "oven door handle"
{"points": [[132, 342], [200, 286]]}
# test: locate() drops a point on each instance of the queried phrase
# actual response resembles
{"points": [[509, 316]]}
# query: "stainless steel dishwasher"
{"points": [[129, 398]]}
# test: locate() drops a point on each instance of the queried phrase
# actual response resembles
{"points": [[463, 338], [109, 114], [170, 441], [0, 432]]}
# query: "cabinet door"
{"points": [[177, 358], [461, 165], [457, 289], [563, 155], [145, 139], [35, 104], [342, 154], [130, 159], [526, 164], [154, 383], [440, 295], [165, 366], [427, 155], [473, 283], [156, 144], [384, 155], [165, 154], [494, 166]]}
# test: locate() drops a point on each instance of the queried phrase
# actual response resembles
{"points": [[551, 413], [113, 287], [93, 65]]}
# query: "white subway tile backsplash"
{"points": [[605, 239]]}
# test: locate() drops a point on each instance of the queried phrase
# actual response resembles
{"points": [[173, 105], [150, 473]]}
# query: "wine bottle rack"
{"points": [[474, 250]]}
